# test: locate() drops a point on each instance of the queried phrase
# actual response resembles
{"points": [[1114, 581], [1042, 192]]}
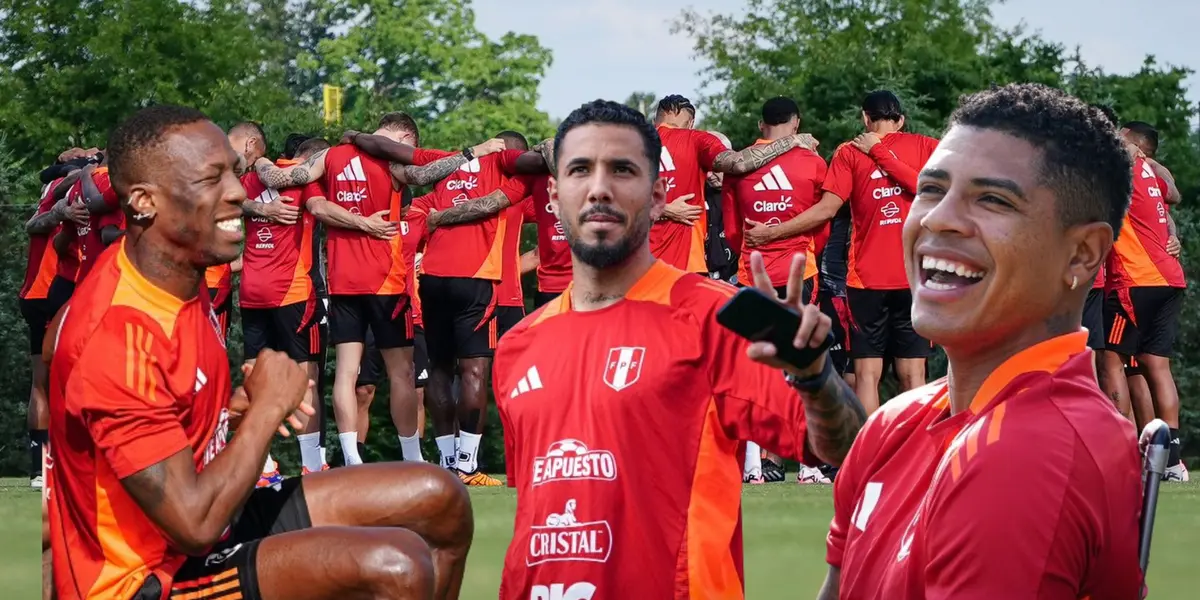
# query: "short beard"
{"points": [[603, 256]]}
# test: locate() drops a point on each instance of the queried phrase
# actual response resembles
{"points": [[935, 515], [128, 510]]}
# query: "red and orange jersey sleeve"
{"points": [[119, 390], [839, 179], [753, 402], [987, 538], [708, 148]]}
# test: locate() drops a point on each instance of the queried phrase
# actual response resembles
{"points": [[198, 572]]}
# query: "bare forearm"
{"points": [[64, 186], [830, 589], [468, 212], [253, 209], [335, 216], [834, 415], [306, 172], [428, 174], [44, 223], [92, 197], [530, 261], [1172, 230], [110, 234], [385, 149], [816, 216], [752, 158]]}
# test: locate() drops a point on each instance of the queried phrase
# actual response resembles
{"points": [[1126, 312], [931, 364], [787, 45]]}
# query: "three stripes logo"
{"points": [[878, 174], [470, 167], [353, 171], [665, 162], [774, 179], [531, 381], [140, 374], [269, 195]]}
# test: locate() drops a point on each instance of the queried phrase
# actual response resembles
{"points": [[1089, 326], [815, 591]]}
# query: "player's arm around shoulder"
{"points": [[1017, 511]]}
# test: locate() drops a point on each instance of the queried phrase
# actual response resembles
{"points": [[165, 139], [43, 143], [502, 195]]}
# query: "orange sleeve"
{"points": [[118, 388], [839, 179], [754, 403], [731, 214], [708, 148]]}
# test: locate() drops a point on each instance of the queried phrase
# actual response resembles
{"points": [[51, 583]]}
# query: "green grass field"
{"points": [[785, 529]]}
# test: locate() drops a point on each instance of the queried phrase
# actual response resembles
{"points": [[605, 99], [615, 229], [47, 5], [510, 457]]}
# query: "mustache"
{"points": [[601, 209]]}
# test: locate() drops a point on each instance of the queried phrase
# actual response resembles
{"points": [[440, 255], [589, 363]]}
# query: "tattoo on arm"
{"points": [[43, 223], [467, 212], [148, 486], [752, 158], [427, 174], [834, 416], [305, 172], [253, 209]]}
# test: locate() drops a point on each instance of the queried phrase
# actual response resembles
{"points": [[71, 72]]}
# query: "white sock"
{"points": [[349, 442], [448, 448], [269, 466], [753, 463], [310, 451], [468, 451], [410, 447], [323, 460]]}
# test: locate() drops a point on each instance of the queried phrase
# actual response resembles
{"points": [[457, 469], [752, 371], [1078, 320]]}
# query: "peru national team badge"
{"points": [[623, 367]]}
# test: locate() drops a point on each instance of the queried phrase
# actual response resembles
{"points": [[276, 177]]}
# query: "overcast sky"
{"points": [[610, 48]]}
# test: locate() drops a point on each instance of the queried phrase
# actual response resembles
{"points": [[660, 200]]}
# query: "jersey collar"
{"points": [[1043, 357], [157, 296]]}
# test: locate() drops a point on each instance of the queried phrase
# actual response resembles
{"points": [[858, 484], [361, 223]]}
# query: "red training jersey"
{"points": [[554, 253], [474, 250], [91, 244], [41, 264], [880, 189], [598, 514], [779, 191], [219, 278], [414, 231], [137, 376], [359, 263], [687, 154], [509, 291], [1139, 256], [926, 505], [278, 260]]}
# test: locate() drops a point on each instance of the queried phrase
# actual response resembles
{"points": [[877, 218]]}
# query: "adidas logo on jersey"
{"points": [[665, 162], [201, 379], [1147, 172], [774, 179], [470, 167], [531, 381], [353, 171], [878, 174]]}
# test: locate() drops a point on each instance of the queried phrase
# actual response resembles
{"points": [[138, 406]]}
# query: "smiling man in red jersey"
{"points": [[678, 236], [40, 300], [366, 274], [1026, 189], [470, 215], [148, 498], [1147, 286], [876, 174], [597, 515]]}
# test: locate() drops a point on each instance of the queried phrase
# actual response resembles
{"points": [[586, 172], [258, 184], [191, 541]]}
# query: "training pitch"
{"points": [[785, 527]]}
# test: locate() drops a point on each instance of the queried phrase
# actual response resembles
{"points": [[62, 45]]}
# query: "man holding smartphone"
{"points": [[651, 367], [1016, 213]]}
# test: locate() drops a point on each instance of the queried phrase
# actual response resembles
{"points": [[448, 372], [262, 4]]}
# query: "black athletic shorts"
{"points": [[541, 298], [291, 329], [806, 290], [1142, 320], [507, 317], [371, 369], [389, 318], [420, 357], [322, 328], [222, 310], [459, 319], [881, 325], [61, 290], [1093, 319], [269, 511], [37, 316], [835, 308]]}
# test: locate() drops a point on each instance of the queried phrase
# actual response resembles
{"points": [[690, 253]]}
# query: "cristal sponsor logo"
{"points": [[351, 196], [564, 538], [571, 460], [784, 203], [887, 192], [220, 434], [891, 214], [455, 185], [561, 591]]}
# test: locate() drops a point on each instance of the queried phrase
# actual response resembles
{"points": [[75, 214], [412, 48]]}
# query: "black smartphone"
{"points": [[754, 316]]}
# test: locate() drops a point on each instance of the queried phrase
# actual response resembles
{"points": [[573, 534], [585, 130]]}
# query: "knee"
{"points": [[400, 568], [364, 394], [443, 490]]}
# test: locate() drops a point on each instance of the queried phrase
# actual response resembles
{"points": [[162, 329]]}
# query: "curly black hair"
{"points": [[139, 137], [607, 112], [1083, 161], [673, 104]]}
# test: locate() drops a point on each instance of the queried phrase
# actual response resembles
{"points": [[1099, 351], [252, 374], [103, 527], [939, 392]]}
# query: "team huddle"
{"points": [[1013, 245]]}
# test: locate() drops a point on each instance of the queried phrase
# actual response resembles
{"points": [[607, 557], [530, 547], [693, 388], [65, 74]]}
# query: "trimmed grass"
{"points": [[785, 527]]}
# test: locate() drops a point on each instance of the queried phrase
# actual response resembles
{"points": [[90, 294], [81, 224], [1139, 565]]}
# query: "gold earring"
{"points": [[1074, 282]]}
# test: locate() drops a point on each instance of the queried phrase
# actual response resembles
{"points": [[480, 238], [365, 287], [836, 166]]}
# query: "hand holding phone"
{"points": [[788, 334]]}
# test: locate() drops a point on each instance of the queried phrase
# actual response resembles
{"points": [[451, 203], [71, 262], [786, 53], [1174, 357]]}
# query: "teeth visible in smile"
{"points": [[230, 225], [947, 266]]}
